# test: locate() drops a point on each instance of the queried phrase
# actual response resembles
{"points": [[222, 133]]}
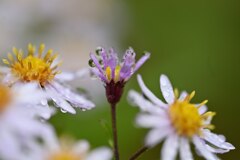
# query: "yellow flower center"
{"points": [[5, 97], [186, 119], [108, 73], [33, 67], [64, 156]]}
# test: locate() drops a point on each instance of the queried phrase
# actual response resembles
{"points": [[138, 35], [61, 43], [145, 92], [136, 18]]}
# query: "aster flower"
{"points": [[113, 73], [66, 149], [42, 69], [20, 127], [179, 122]]}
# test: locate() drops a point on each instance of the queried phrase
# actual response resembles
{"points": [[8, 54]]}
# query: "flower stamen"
{"points": [[33, 67], [186, 118]]}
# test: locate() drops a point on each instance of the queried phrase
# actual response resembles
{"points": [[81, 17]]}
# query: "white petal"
{"points": [[60, 102], [202, 109], [81, 147], [216, 150], [199, 144], [183, 95], [185, 150], [29, 93], [149, 94], [75, 99], [170, 147], [152, 121], [167, 89], [136, 99], [65, 76], [217, 140], [155, 136], [102, 153]]}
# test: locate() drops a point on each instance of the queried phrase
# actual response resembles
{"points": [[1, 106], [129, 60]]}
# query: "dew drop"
{"points": [[63, 110], [83, 109]]}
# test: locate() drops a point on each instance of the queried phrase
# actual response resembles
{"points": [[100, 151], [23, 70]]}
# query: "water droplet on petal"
{"points": [[63, 110], [83, 109]]}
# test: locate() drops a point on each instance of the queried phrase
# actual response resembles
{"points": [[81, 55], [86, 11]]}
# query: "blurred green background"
{"points": [[196, 43]]}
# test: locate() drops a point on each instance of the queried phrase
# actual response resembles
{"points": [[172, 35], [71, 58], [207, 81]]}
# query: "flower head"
{"points": [[43, 70], [115, 73], [19, 122], [179, 121], [67, 149], [33, 67]]}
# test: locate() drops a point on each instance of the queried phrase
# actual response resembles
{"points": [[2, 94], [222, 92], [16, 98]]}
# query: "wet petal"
{"points": [[59, 101], [76, 99], [167, 89], [217, 140], [95, 60], [202, 149], [128, 62]]}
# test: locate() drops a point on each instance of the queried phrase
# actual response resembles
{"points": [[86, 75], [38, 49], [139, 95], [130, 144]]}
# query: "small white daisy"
{"points": [[43, 70], [179, 122], [66, 149], [20, 130]]}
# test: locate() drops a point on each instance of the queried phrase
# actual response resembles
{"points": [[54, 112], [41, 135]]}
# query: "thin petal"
{"points": [[128, 62], [141, 61], [59, 101], [170, 147], [185, 151], [102, 153], [81, 147], [65, 76], [75, 99], [138, 100], [149, 94], [202, 109], [216, 150], [217, 140], [182, 96], [152, 121], [95, 60], [167, 89], [155, 136], [96, 72], [202, 149]]}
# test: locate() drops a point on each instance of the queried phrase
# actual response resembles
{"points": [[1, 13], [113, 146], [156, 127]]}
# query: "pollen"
{"points": [[113, 76], [33, 67], [5, 97], [186, 119]]}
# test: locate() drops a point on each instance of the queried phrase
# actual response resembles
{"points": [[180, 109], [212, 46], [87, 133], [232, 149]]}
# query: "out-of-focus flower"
{"points": [[42, 69], [179, 122], [115, 74], [20, 129], [67, 149]]}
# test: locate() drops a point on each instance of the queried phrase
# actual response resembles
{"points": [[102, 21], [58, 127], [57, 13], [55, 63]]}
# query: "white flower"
{"points": [[69, 150], [179, 122], [20, 128], [43, 71]]}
